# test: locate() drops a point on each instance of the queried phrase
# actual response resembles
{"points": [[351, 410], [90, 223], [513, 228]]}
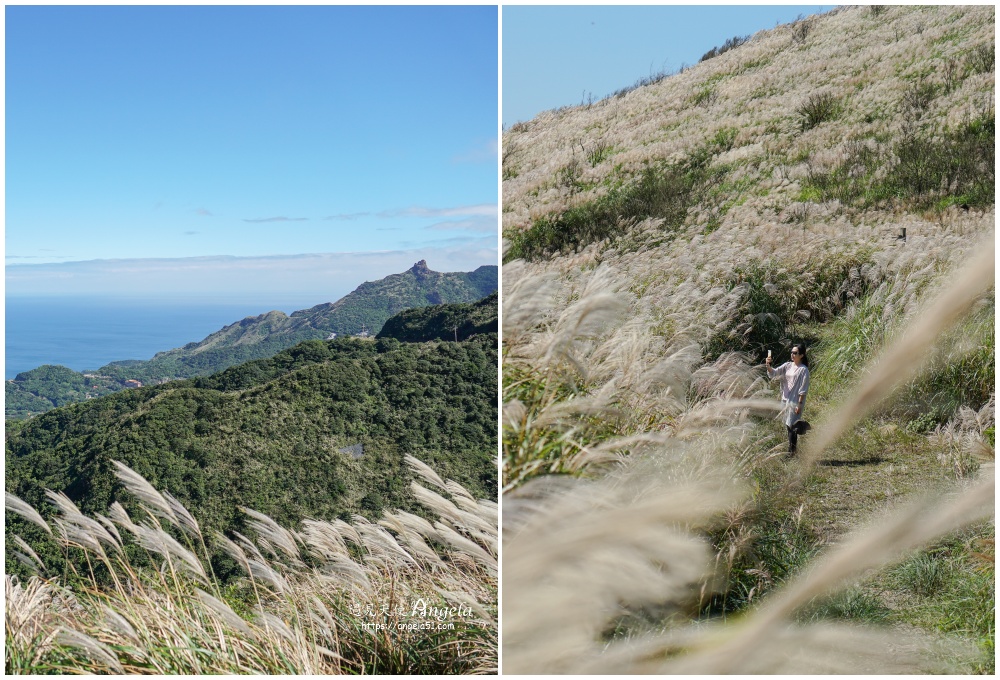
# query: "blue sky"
{"points": [[556, 55], [161, 148]]}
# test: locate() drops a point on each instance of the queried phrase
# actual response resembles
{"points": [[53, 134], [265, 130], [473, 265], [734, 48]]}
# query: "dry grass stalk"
{"points": [[909, 528], [575, 556], [16, 505], [353, 613]]}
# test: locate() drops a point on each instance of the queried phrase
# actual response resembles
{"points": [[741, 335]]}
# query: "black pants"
{"points": [[793, 439]]}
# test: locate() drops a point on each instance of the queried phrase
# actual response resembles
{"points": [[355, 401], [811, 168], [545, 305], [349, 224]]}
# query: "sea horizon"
{"points": [[86, 332]]}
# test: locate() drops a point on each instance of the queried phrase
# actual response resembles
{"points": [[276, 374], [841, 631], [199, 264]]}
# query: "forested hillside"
{"points": [[828, 183], [444, 322], [319, 430], [46, 387]]}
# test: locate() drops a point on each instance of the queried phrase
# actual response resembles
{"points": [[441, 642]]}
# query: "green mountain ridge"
{"points": [[318, 430], [368, 307]]}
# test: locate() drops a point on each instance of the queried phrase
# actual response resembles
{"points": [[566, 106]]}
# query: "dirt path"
{"points": [[871, 470]]}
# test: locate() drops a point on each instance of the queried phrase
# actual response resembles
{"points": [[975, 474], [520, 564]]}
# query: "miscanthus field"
{"points": [[399, 596], [658, 243]]}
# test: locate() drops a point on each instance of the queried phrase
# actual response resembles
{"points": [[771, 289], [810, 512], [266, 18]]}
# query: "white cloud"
{"points": [[279, 219], [327, 276], [347, 216], [483, 209], [484, 152], [484, 224]]}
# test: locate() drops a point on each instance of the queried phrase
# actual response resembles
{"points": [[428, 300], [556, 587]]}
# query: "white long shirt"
{"points": [[794, 382]]}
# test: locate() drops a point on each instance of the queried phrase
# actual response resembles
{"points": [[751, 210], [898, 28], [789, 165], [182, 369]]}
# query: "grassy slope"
{"points": [[760, 216]]}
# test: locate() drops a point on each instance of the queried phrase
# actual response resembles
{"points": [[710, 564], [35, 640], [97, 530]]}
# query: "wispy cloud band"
{"points": [[278, 219], [329, 275], [483, 209]]}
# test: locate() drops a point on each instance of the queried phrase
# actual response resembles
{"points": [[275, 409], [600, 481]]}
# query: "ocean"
{"points": [[85, 333]]}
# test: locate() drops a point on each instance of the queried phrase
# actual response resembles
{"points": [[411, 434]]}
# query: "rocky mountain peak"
{"points": [[420, 268]]}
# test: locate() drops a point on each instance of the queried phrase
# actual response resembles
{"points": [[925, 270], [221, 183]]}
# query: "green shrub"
{"points": [[919, 96], [929, 167], [961, 373], [819, 108], [598, 153], [777, 548], [981, 59], [706, 96], [760, 323], [730, 44], [852, 338], [663, 191]]}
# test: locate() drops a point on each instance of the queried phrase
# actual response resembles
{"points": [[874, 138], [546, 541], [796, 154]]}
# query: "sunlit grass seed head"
{"points": [[353, 608]]}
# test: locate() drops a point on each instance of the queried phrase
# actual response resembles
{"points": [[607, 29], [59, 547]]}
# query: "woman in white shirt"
{"points": [[794, 376]]}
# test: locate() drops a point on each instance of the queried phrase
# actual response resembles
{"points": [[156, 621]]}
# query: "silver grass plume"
{"points": [[79, 529], [412, 540], [414, 523], [30, 612], [324, 539], [347, 531], [185, 519], [460, 518], [765, 642], [19, 507], [276, 624], [144, 491], [155, 539], [119, 515], [228, 616], [348, 573], [29, 553], [233, 550], [660, 656], [110, 526], [458, 597], [467, 546], [425, 471], [119, 624], [325, 542], [573, 554], [380, 544], [526, 300], [598, 306], [93, 648], [273, 533]]}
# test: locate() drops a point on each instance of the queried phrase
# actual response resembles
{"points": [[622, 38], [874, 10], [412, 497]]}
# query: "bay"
{"points": [[85, 333]]}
